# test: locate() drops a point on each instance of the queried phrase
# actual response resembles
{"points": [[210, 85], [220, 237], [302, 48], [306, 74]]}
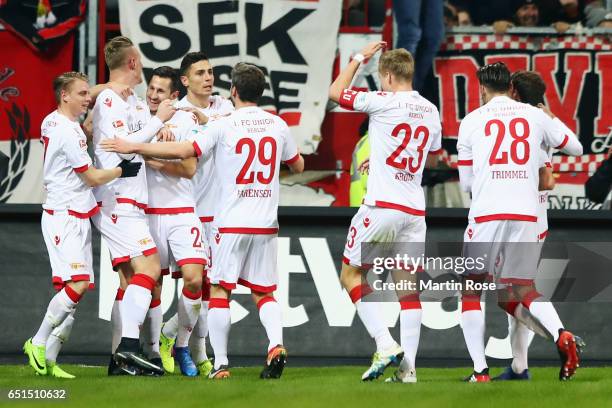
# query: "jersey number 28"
{"points": [[498, 157]]}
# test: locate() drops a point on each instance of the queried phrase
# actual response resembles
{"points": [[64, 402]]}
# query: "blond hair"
{"points": [[64, 81], [399, 63], [115, 51]]}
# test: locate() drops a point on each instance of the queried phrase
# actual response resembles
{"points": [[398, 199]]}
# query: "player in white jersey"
{"points": [[498, 157], [198, 78], [248, 146], [122, 221], [529, 87], [68, 178], [173, 222], [405, 133]]}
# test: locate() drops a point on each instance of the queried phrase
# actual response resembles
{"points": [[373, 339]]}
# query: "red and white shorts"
{"points": [[68, 241], [179, 239], [509, 250], [379, 225], [125, 230], [247, 259]]}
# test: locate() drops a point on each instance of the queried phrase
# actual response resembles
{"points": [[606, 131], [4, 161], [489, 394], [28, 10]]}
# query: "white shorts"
{"points": [[68, 241], [247, 259], [126, 232], [509, 250], [179, 239], [380, 225]]}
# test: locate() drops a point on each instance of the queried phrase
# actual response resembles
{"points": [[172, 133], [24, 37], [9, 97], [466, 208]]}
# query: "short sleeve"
{"points": [[464, 146], [436, 136], [75, 149], [290, 151], [544, 157], [368, 102], [205, 138]]}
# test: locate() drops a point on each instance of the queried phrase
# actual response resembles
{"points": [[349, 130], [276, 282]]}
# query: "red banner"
{"points": [[26, 93]]}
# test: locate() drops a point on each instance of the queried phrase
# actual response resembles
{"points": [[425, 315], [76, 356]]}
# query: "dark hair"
{"points": [[530, 86], [190, 59], [168, 72], [249, 81], [495, 77]]}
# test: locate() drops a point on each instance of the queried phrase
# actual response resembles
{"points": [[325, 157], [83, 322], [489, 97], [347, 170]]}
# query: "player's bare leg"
{"points": [[567, 344], [219, 323], [60, 307], [370, 313], [134, 307], [271, 319], [473, 326], [189, 305], [411, 316]]}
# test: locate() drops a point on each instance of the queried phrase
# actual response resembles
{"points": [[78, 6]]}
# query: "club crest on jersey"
{"points": [[470, 233], [217, 237], [114, 218], [108, 102], [118, 124], [57, 240], [366, 222], [83, 143]]}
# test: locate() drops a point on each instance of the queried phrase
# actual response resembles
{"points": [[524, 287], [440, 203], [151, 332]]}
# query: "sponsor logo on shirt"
{"points": [[77, 265], [50, 123], [83, 144], [118, 124], [145, 241]]}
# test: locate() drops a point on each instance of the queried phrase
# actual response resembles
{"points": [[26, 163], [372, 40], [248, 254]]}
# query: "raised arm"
{"points": [[344, 79]]}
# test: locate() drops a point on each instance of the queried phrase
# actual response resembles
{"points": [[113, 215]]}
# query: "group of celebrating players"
{"points": [[191, 187]]}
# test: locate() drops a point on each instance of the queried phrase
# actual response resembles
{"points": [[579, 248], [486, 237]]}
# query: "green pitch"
{"points": [[312, 387]]}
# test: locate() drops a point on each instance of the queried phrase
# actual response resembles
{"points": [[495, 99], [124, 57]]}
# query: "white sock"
{"points": [[189, 306], [197, 342], [60, 306], [58, 336], [271, 319], [523, 315], [410, 332], [520, 337], [219, 324], [547, 315], [370, 314], [155, 319], [473, 326], [135, 305], [171, 327], [116, 320]]}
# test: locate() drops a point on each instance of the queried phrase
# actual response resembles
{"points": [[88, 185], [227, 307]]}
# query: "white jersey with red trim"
{"points": [[66, 155], [205, 189], [404, 128], [248, 146], [114, 117], [169, 194], [556, 125], [500, 142]]}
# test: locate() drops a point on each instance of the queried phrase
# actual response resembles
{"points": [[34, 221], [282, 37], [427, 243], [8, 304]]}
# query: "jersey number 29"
{"points": [[247, 177]]}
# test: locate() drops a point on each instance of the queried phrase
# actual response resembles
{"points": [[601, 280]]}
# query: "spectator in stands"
{"points": [[420, 26], [599, 184], [456, 16], [598, 15], [532, 13]]}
